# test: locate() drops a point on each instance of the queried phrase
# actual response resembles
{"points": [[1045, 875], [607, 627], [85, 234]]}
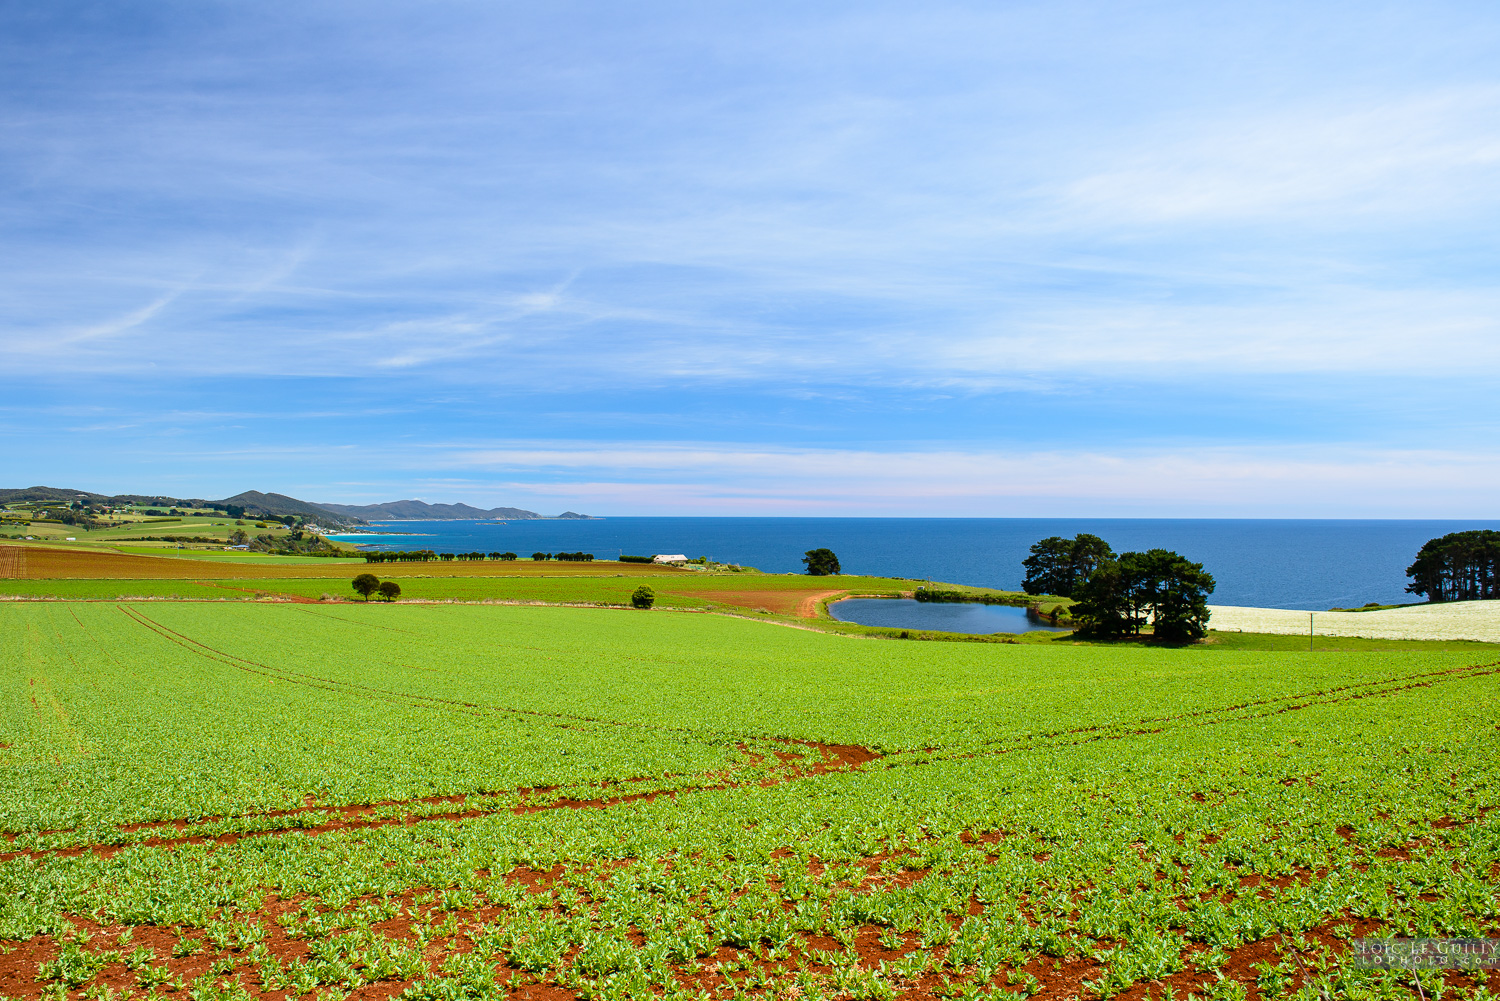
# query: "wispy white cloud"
{"points": [[818, 205], [1300, 481], [1310, 162], [110, 328]]}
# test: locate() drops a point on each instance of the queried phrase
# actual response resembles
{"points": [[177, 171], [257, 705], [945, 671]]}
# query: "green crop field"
{"points": [[231, 800]]}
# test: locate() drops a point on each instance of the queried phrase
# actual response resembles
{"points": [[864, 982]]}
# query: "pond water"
{"points": [[906, 613]]}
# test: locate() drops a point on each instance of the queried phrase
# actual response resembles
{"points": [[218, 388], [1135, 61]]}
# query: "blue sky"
{"points": [[1083, 259]]}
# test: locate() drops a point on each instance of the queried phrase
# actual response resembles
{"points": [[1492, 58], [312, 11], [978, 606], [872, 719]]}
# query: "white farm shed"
{"points": [[679, 558]]}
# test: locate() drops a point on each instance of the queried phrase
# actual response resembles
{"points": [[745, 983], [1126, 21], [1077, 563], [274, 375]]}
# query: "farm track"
{"points": [[298, 599], [435, 915], [387, 695], [1212, 717], [832, 757]]}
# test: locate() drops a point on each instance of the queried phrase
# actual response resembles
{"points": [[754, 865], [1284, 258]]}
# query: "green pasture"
{"points": [[1139, 814], [121, 535], [100, 590], [186, 525]]}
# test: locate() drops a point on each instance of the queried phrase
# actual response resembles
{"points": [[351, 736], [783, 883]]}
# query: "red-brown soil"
{"points": [[1059, 979], [831, 757], [784, 602]]}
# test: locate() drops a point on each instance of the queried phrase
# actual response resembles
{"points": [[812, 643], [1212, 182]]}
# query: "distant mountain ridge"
{"points": [[280, 505], [255, 504], [415, 510]]}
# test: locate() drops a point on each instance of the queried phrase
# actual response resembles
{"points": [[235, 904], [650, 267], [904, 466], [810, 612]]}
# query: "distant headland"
{"points": [[415, 510]]}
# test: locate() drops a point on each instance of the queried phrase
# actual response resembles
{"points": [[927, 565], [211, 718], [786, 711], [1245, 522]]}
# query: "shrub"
{"points": [[643, 597]]}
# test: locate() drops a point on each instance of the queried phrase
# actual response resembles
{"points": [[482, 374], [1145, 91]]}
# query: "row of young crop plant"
{"points": [[1115, 815], [580, 933], [1149, 855], [453, 699], [764, 764]]}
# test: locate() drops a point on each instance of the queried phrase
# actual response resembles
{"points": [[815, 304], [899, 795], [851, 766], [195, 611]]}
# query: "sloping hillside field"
{"points": [[45, 572], [48, 562], [222, 800]]}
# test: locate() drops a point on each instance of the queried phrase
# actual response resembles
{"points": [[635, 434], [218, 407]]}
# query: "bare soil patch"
{"points": [[781, 602]]}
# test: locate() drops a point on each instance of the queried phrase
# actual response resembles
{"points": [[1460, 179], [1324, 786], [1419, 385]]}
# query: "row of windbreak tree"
{"points": [[427, 555], [1121, 595], [1460, 566]]}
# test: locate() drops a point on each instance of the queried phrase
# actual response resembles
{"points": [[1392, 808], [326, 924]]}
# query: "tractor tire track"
{"points": [[565, 720], [832, 758], [1349, 693]]}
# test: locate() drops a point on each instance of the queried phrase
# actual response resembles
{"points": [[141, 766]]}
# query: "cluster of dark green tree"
{"points": [[407, 556], [637, 559], [1121, 595], [1460, 566], [1057, 566], [297, 543], [368, 584], [84, 518]]}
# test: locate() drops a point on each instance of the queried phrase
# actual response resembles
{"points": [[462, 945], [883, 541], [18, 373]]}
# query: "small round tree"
{"points": [[643, 597], [366, 584], [389, 590]]}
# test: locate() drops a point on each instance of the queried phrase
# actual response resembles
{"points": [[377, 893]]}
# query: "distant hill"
{"points": [[257, 504], [48, 495], [254, 503], [415, 510]]}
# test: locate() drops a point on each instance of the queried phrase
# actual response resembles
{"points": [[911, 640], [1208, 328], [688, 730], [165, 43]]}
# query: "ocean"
{"points": [[1274, 564]]}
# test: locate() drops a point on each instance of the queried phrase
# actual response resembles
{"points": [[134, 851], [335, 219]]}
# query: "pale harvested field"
{"points": [[1460, 620]]}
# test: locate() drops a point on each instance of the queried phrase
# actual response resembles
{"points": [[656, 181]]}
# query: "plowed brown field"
{"points": [[795, 603], [41, 563]]}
